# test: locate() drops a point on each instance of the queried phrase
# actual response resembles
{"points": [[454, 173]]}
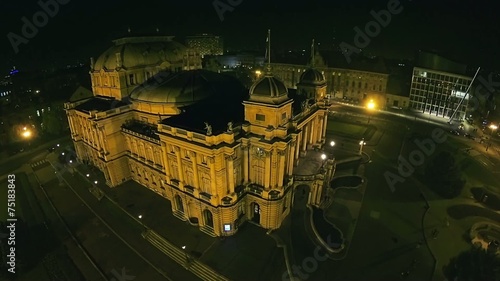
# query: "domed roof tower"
{"points": [[312, 82], [268, 104], [268, 89]]}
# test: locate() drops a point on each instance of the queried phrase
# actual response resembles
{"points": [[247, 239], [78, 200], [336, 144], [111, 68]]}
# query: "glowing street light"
{"points": [[371, 105], [187, 256], [258, 73], [26, 133], [323, 156], [95, 182], [361, 144], [332, 143], [88, 175], [142, 222], [493, 127]]}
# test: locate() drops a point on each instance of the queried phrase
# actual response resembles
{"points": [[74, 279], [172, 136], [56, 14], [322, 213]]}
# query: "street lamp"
{"points": [[142, 222], [493, 127], [371, 107], [88, 175], [332, 143], [187, 256], [323, 156], [361, 144]]}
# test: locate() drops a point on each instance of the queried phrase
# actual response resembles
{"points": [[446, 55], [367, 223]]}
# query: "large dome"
{"points": [[312, 76], [139, 52], [182, 88], [268, 86]]}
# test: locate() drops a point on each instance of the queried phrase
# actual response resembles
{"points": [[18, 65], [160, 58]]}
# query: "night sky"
{"points": [[466, 30]]}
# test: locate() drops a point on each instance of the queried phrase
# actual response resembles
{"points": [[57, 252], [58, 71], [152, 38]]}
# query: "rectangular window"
{"points": [[283, 116], [132, 79], [260, 117]]}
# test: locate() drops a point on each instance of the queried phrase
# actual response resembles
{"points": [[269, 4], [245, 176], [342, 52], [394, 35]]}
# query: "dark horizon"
{"points": [[464, 31]]}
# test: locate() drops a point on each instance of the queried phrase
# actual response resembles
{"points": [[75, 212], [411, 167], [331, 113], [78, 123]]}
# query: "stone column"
{"points": [[305, 133], [324, 125], [245, 162], [230, 172], [297, 148], [195, 170], [312, 131], [281, 167], [213, 183], [72, 125], [179, 164], [267, 177], [319, 130], [165, 161], [291, 158]]}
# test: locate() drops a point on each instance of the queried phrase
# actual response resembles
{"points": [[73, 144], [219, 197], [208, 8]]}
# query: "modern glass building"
{"points": [[439, 93]]}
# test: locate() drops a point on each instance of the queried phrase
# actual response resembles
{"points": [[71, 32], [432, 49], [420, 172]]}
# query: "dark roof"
{"points": [[226, 105], [142, 128], [312, 76], [432, 60], [335, 59], [184, 87], [268, 86], [100, 104]]}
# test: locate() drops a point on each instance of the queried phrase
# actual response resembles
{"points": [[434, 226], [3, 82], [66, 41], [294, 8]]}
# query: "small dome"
{"points": [[139, 52], [268, 86], [312, 76]]}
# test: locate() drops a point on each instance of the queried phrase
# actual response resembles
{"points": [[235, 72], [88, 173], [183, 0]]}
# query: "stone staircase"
{"points": [[208, 230], [181, 257], [180, 215]]}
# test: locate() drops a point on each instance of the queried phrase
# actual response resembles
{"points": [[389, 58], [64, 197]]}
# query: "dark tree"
{"points": [[444, 176], [52, 122], [473, 265]]}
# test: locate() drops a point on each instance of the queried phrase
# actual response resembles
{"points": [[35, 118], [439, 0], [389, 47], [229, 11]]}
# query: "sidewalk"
{"points": [[250, 254]]}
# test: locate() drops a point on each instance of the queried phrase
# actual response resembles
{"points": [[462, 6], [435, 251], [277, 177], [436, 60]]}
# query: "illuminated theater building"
{"points": [[220, 153]]}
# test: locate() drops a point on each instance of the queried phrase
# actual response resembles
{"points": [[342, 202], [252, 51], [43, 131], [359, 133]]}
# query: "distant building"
{"points": [[229, 61], [436, 91], [206, 44], [362, 80]]}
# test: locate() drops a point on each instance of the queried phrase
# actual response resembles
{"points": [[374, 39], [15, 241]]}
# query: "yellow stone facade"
{"points": [[214, 180]]}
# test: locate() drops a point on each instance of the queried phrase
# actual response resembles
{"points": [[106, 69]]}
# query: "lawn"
{"points": [[347, 129]]}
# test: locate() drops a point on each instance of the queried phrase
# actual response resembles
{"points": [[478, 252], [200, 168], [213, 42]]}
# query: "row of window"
{"points": [[427, 106], [105, 80], [441, 77], [187, 154]]}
